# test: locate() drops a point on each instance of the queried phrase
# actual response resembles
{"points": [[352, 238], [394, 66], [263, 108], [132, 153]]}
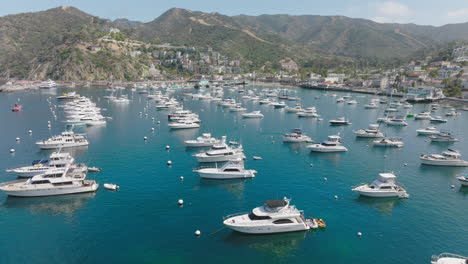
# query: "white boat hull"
{"points": [[52, 191], [455, 163], [320, 148], [61, 145], [377, 194], [221, 158], [226, 175], [267, 228]]}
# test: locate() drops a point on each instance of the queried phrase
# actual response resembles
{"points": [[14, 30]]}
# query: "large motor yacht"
{"points": [[389, 142], [230, 170], [184, 124], [52, 182], [56, 161], [205, 140], [449, 157], [67, 139], [275, 216], [371, 132], [296, 136], [449, 258], [332, 144], [384, 186], [221, 153]]}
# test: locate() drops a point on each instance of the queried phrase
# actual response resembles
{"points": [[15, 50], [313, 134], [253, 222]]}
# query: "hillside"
{"points": [[52, 44], [56, 43]]}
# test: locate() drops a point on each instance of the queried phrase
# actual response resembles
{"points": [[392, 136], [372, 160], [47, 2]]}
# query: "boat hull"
{"points": [[320, 148], [60, 145], [225, 176], [453, 163], [375, 194], [219, 158], [52, 191]]}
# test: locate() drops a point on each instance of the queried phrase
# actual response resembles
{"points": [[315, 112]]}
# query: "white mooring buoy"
{"points": [[169, 163], [181, 178], [17, 139], [12, 150], [30, 131], [180, 202], [152, 129], [168, 147], [359, 234], [198, 233], [336, 197], [145, 138]]}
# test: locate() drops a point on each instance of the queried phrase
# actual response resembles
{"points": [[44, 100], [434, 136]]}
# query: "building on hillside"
{"points": [[448, 72], [460, 53]]}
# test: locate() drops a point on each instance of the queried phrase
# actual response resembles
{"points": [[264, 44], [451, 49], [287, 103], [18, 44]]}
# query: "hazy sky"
{"points": [[427, 12]]}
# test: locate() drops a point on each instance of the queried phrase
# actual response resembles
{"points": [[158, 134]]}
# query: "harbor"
{"points": [[159, 200]]}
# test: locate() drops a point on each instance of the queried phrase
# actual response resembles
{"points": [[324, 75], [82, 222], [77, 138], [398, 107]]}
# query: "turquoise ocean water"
{"points": [[142, 223]]}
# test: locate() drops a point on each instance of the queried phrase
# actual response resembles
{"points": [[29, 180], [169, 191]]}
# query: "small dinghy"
{"points": [[111, 186], [94, 169], [257, 158]]}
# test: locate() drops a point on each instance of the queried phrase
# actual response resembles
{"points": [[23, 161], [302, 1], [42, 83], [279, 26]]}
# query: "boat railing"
{"points": [[233, 215], [447, 255]]}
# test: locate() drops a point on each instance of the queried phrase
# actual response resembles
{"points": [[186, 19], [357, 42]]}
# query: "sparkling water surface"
{"points": [[142, 223]]}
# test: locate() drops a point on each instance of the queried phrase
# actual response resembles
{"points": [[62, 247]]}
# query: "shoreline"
{"points": [[11, 88]]}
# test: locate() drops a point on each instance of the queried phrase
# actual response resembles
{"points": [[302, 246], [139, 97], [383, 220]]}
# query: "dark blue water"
{"points": [[141, 223]]}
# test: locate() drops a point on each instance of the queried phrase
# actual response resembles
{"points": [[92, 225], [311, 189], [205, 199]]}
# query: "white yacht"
{"points": [[448, 258], [231, 170], [371, 132], [296, 136], [371, 105], [332, 144], [70, 181], [452, 112], [275, 216], [396, 121], [449, 157], [237, 108], [389, 142], [351, 102], [463, 180], [438, 119], [308, 112], [384, 186], [340, 100], [443, 136], [65, 140], [428, 131], [206, 140], [68, 96], [340, 121], [120, 100], [278, 104], [254, 114], [423, 116], [221, 153], [56, 160], [264, 101], [295, 109], [183, 124], [48, 84]]}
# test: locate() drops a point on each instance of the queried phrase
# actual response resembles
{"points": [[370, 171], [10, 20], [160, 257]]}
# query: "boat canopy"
{"points": [[276, 203], [384, 177]]}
